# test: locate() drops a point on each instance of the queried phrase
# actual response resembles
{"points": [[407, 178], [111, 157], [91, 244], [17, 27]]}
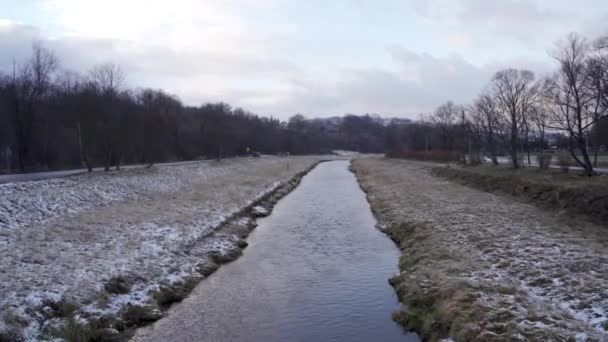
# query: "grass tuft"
{"points": [[137, 315], [75, 331], [169, 294], [118, 285]]}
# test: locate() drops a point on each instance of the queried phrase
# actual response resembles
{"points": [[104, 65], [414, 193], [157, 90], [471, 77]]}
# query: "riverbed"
{"points": [[316, 269]]}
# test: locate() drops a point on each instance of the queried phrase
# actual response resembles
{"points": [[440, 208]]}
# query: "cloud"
{"points": [[279, 57], [529, 22], [413, 83], [15, 42], [203, 25], [189, 72]]}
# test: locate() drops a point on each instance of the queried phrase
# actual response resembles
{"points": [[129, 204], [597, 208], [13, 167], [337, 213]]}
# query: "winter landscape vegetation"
{"points": [[128, 212]]}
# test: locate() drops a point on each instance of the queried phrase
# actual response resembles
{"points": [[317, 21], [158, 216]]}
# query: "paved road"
{"points": [[34, 176], [507, 161], [23, 177]]}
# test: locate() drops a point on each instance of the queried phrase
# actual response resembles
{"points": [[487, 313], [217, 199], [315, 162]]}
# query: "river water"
{"points": [[315, 270]]}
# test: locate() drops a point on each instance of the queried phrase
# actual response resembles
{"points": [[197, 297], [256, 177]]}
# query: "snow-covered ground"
{"points": [[503, 268], [63, 240]]}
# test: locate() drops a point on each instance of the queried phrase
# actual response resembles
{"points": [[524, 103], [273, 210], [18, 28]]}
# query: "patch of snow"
{"points": [[260, 211]]}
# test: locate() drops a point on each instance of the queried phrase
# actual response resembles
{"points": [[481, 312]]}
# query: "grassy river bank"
{"points": [[477, 266]]}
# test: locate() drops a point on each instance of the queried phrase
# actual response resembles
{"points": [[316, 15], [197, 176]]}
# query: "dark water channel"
{"points": [[315, 270]]}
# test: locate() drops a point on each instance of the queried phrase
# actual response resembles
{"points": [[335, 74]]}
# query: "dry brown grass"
{"points": [[575, 193], [480, 267]]}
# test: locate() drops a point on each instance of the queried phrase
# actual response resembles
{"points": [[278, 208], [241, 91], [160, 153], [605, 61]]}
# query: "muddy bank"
{"points": [[586, 199], [480, 267]]}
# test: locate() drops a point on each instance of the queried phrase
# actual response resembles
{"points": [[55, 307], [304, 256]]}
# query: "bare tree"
{"points": [[68, 82], [29, 85], [595, 74], [485, 115], [515, 93], [526, 131], [540, 121], [472, 134], [109, 80], [444, 118], [597, 79], [69, 88], [573, 100], [69, 121]]}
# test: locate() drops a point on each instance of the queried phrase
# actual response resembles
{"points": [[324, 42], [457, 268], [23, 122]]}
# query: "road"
{"points": [[35, 176], [507, 161]]}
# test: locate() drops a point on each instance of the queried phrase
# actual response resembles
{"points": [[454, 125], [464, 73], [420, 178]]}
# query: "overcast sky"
{"points": [[316, 57]]}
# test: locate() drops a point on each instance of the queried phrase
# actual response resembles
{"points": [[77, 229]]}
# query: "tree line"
{"points": [[54, 118], [516, 111]]}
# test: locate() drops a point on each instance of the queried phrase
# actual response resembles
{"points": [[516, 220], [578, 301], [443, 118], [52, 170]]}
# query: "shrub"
{"points": [[169, 294], [88, 331], [62, 308], [118, 285]]}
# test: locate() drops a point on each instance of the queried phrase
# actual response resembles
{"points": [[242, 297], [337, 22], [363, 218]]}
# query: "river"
{"points": [[315, 270]]}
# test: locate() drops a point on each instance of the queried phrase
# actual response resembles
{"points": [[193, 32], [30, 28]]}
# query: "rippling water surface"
{"points": [[315, 270]]}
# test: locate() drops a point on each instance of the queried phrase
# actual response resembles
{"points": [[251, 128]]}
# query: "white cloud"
{"points": [[413, 83], [224, 50], [180, 24], [530, 22]]}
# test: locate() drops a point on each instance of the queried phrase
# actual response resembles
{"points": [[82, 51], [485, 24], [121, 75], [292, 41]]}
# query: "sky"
{"points": [[397, 58]]}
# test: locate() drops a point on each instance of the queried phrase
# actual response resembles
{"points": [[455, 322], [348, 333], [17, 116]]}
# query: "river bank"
{"points": [[94, 256], [480, 267], [315, 270]]}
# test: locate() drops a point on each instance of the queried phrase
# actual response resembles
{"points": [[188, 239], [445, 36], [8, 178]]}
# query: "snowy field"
{"points": [[493, 267], [64, 240]]}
